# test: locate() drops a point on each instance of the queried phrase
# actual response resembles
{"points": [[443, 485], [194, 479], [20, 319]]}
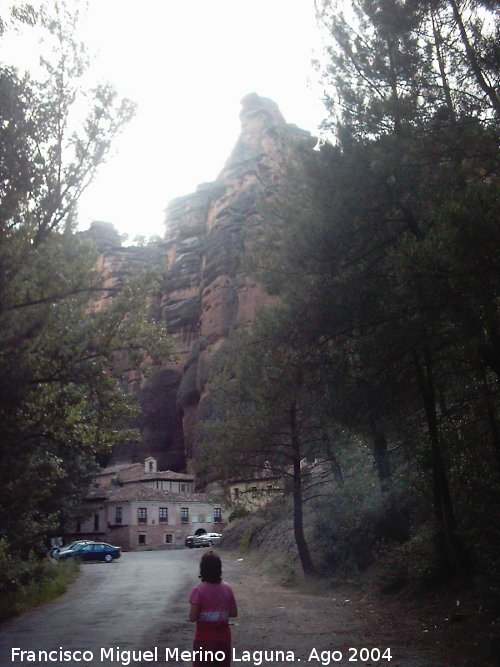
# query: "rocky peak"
{"points": [[103, 234], [207, 292]]}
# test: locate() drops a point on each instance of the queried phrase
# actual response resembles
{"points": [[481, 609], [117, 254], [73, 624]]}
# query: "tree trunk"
{"points": [[381, 457], [298, 523], [489, 91], [492, 418], [330, 455], [442, 68], [393, 79], [448, 541], [490, 348], [399, 526]]}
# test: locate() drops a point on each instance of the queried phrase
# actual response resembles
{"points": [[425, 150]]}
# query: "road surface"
{"points": [[140, 603], [124, 605]]}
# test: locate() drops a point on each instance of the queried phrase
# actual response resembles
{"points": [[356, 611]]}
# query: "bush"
{"points": [[252, 528], [346, 525], [30, 582], [414, 564], [238, 513]]}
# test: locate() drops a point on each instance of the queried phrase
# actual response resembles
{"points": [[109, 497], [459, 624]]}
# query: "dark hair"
{"points": [[211, 568]]}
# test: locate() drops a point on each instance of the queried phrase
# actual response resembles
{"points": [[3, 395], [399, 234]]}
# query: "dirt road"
{"points": [[347, 627]]}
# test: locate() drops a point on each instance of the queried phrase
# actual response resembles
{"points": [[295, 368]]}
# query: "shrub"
{"points": [[238, 513], [30, 582], [252, 528], [414, 564], [345, 526]]}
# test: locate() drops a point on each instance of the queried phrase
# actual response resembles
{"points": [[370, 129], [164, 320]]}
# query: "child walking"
{"points": [[212, 604]]}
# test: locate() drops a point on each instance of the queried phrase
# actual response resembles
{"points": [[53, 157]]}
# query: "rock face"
{"points": [[160, 423], [207, 292]]}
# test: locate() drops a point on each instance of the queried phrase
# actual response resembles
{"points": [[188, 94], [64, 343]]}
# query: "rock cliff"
{"points": [[206, 291]]}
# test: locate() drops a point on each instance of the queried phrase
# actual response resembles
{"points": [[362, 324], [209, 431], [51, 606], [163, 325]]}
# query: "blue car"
{"points": [[92, 551], [55, 551]]}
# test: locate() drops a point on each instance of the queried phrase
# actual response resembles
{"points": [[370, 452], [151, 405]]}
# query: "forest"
{"points": [[372, 383], [378, 366]]}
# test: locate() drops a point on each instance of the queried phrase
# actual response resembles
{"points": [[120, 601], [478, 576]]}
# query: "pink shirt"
{"points": [[215, 602]]}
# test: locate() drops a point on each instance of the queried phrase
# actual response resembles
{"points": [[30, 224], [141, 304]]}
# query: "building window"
{"points": [[118, 515], [142, 539], [217, 515], [184, 515], [96, 523], [142, 515], [163, 514], [169, 538], [183, 487], [236, 493]]}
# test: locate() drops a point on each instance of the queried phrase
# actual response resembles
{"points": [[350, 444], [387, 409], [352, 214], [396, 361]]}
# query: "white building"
{"points": [[136, 506]]}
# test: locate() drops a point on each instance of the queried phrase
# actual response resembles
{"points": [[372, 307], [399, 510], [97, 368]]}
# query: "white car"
{"points": [[202, 540]]}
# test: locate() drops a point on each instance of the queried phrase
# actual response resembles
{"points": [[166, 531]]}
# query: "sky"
{"points": [[187, 64]]}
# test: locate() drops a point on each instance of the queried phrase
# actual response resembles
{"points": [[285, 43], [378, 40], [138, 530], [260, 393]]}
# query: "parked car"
{"points": [[55, 551], [189, 541], [203, 540], [92, 551], [209, 539]]}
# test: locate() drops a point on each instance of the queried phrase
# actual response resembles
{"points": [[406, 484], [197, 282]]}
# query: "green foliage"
{"points": [[262, 373], [288, 573], [25, 584], [351, 517], [68, 351], [238, 513], [384, 251], [246, 539], [346, 528], [416, 564], [264, 416], [394, 65]]}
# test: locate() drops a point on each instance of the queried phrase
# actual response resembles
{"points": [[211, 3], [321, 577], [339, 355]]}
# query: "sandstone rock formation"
{"points": [[160, 423], [207, 292]]}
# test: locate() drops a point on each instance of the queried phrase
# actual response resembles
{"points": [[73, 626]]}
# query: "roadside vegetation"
{"points": [[29, 583], [64, 363]]}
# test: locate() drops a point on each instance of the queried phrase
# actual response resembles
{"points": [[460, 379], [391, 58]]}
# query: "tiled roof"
{"points": [[138, 491], [134, 472], [160, 474]]}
